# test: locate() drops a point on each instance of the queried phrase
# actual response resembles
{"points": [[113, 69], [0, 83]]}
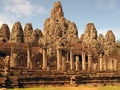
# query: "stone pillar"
{"points": [[59, 57], [12, 62], [67, 56], [104, 65], [95, 66], [71, 60], [7, 65], [115, 65], [29, 63], [83, 61], [63, 64], [89, 62], [15, 59], [101, 63], [109, 65], [44, 59], [77, 63]]}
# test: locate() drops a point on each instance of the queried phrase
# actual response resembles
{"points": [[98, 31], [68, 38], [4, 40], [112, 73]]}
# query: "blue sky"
{"points": [[105, 14]]}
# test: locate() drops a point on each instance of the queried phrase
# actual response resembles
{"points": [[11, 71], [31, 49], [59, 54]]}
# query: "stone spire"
{"points": [[109, 40], [4, 33], [28, 32], [90, 33], [72, 33], [57, 29], [57, 10], [100, 39], [16, 33], [109, 37], [36, 34]]}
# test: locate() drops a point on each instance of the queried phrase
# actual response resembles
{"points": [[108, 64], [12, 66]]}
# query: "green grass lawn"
{"points": [[109, 88], [72, 88]]}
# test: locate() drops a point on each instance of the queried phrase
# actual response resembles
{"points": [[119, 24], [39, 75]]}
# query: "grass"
{"points": [[72, 88], [110, 88]]}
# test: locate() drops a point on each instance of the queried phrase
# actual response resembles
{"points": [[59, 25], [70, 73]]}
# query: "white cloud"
{"points": [[116, 32], [106, 4], [4, 19], [12, 11], [22, 7], [109, 5]]}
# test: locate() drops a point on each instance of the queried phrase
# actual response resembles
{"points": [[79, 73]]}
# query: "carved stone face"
{"points": [[109, 37], [17, 33], [4, 33], [93, 33]]}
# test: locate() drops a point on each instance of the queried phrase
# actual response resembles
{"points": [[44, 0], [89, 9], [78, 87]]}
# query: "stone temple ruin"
{"points": [[57, 56]]}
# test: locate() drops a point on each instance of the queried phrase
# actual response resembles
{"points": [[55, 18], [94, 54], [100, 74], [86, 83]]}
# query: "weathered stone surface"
{"points": [[109, 42], [4, 33], [72, 33], [57, 48], [57, 10], [28, 32], [100, 39], [90, 34], [16, 35], [81, 37], [110, 37], [58, 29], [7, 65], [98, 44], [36, 35]]}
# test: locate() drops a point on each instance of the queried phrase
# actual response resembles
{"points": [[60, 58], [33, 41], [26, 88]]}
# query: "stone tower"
{"points": [[58, 29], [36, 35], [4, 33], [16, 35], [28, 32], [90, 34]]}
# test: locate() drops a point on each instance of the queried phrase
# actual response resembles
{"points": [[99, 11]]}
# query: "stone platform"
{"points": [[29, 78]]}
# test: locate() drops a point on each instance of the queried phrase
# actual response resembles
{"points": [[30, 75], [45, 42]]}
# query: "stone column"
{"points": [[15, 59], [12, 62], [101, 63], [115, 65], [59, 56], [95, 66], [109, 65], [71, 60], [67, 56], [89, 62], [104, 65], [63, 64], [29, 63], [83, 61], [77, 63], [7, 65], [44, 59]]}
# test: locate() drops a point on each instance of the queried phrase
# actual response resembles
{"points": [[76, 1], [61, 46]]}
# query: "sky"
{"points": [[105, 14]]}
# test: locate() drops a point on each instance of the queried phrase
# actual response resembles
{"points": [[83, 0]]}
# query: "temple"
{"points": [[57, 55]]}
